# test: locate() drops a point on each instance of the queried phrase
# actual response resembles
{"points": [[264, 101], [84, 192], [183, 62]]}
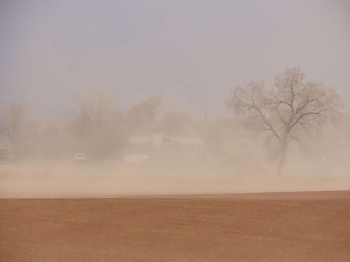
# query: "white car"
{"points": [[79, 157], [142, 157], [135, 158]]}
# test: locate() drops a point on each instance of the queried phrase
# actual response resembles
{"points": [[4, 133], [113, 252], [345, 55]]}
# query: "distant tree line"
{"points": [[287, 114], [98, 127]]}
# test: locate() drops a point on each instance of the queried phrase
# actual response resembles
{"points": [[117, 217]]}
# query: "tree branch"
{"points": [[307, 114]]}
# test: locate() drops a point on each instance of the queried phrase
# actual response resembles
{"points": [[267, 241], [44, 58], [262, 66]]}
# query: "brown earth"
{"points": [[248, 227]]}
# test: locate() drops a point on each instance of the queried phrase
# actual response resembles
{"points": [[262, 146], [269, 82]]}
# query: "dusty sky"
{"points": [[190, 53]]}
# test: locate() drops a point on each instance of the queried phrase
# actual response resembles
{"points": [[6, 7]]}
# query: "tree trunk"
{"points": [[283, 157]]}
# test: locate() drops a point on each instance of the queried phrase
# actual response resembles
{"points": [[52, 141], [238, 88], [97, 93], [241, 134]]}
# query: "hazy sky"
{"points": [[190, 53]]}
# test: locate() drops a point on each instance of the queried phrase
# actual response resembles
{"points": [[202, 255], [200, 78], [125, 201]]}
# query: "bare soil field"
{"points": [[312, 226]]}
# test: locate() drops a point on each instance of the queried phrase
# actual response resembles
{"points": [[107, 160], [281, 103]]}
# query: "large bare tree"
{"points": [[288, 111]]}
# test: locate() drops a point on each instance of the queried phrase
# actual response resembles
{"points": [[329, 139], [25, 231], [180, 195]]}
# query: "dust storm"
{"points": [[174, 131]]}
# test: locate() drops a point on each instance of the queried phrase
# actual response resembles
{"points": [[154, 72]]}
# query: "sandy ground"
{"points": [[312, 226], [93, 185], [47, 179]]}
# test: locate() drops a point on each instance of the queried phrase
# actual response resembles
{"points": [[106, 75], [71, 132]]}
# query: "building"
{"points": [[162, 147]]}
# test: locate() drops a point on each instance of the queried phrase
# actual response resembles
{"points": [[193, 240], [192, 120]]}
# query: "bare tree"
{"points": [[288, 111], [142, 117], [97, 106], [98, 127], [177, 123], [14, 124]]}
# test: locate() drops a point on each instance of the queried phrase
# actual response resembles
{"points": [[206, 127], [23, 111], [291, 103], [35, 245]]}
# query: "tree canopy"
{"points": [[289, 110]]}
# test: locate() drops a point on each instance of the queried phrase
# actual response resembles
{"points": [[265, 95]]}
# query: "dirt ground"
{"points": [[312, 226]]}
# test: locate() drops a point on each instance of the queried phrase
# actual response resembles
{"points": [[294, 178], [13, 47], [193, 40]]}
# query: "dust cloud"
{"points": [[112, 180], [247, 168], [103, 99]]}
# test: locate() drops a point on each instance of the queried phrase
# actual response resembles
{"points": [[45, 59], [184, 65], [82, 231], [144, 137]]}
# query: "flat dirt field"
{"points": [[279, 227]]}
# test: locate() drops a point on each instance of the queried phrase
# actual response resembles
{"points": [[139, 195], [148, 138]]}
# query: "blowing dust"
{"points": [[247, 172], [104, 152], [140, 99]]}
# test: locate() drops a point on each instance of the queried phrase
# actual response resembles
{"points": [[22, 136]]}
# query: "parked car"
{"points": [[79, 157], [135, 158], [142, 157]]}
